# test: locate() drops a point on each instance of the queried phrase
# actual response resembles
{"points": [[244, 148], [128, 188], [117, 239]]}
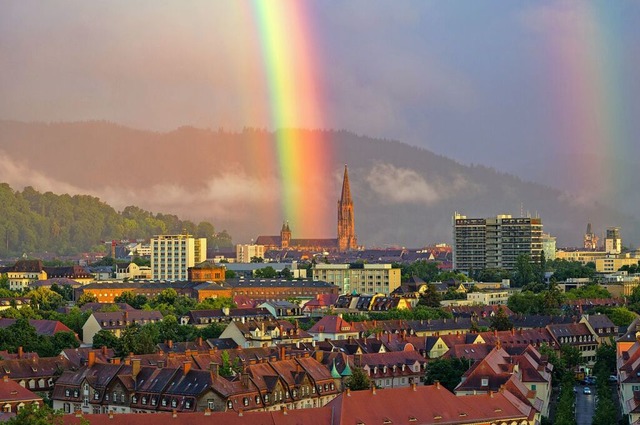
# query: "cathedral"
{"points": [[345, 241]]}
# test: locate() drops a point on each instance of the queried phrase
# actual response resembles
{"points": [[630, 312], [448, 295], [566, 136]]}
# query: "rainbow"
{"points": [[588, 110], [291, 65]]}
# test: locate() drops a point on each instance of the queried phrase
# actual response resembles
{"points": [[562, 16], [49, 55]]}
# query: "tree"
{"points": [[266, 273], [430, 297], [38, 415], [447, 371], [256, 260], [229, 274], [85, 298], [359, 380], [45, 298], [523, 272], [215, 303], [105, 338], [135, 301], [500, 321], [571, 356]]}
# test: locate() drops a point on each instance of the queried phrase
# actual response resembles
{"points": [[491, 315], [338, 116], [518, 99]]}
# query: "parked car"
{"points": [[590, 380], [586, 390], [613, 378]]}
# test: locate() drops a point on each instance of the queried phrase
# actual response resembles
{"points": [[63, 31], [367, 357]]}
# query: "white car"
{"points": [[586, 390]]}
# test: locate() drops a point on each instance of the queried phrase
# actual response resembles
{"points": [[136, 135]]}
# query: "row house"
{"points": [[24, 272], [333, 327], [116, 322], [203, 318], [392, 369], [428, 405], [295, 383], [264, 333], [601, 326], [13, 397], [34, 373], [577, 335]]}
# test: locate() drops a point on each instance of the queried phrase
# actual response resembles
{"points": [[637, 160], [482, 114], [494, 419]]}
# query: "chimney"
{"points": [[373, 389], [135, 367], [5, 378], [78, 413], [207, 412], [437, 383], [244, 378], [318, 356], [284, 410], [110, 414], [104, 350], [174, 413], [513, 331], [199, 340], [91, 358], [186, 367], [282, 352], [170, 344], [20, 352], [414, 386], [125, 315], [127, 361], [214, 368], [348, 391]]}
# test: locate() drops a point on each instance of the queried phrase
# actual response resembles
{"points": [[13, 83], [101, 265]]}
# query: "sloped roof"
{"points": [[43, 327], [331, 324], [11, 391]]}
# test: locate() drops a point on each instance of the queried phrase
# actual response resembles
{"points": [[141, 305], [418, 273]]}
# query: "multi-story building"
{"points": [[613, 242], [24, 272], [549, 246], [363, 279], [172, 255], [495, 242], [245, 252]]}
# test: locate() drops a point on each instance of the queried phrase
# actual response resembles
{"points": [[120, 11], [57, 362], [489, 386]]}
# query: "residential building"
{"points": [[132, 271], [488, 297], [332, 327], [360, 278], [116, 322], [246, 252], [24, 272], [495, 242], [265, 333], [32, 372], [577, 335], [548, 246], [14, 397], [203, 318], [280, 289], [172, 255]]}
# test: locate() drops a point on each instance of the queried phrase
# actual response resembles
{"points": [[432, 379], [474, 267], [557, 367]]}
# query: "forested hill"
{"points": [[31, 221], [402, 195]]}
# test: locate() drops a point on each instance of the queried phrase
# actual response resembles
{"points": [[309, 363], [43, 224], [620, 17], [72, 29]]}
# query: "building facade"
{"points": [[495, 242], [172, 255], [368, 279], [245, 252]]}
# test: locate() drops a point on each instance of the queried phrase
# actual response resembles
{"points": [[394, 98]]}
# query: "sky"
{"points": [[546, 90]]}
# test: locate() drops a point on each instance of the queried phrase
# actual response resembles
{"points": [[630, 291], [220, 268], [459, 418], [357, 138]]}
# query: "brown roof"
{"points": [[43, 327], [331, 324], [11, 391], [432, 404]]}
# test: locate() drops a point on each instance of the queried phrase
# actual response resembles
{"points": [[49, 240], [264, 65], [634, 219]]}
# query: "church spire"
{"points": [[346, 223], [346, 189]]}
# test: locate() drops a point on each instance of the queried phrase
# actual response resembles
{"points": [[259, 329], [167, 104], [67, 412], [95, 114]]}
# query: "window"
{"points": [[164, 401], [484, 382], [245, 401], [134, 399], [229, 404], [96, 395], [174, 403], [67, 393], [187, 404]]}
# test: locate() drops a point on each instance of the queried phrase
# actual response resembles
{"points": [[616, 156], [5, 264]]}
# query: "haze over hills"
{"points": [[403, 195]]}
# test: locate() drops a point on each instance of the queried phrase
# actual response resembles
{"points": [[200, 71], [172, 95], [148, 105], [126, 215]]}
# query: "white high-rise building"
{"points": [[172, 255], [613, 241]]}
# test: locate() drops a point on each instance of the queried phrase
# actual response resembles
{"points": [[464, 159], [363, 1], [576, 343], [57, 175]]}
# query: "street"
{"points": [[585, 405]]}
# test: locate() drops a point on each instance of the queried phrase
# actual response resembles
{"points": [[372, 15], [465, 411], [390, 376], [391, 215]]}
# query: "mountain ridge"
{"points": [[404, 195]]}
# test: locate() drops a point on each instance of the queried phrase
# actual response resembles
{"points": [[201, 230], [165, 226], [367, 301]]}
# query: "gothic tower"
{"points": [[346, 224], [285, 236]]}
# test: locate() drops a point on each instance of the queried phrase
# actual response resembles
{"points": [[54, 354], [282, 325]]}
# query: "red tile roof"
{"points": [[11, 391]]}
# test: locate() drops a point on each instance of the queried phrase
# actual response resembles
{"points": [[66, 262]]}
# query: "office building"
{"points": [[613, 242], [359, 278]]}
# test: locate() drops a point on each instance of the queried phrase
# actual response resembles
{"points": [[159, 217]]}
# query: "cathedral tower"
{"points": [[285, 236], [346, 224]]}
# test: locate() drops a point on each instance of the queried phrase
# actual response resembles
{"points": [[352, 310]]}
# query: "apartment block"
{"points": [[360, 278], [172, 255], [495, 242]]}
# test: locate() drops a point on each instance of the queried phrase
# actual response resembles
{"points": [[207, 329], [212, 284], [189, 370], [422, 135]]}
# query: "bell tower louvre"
{"points": [[346, 223]]}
